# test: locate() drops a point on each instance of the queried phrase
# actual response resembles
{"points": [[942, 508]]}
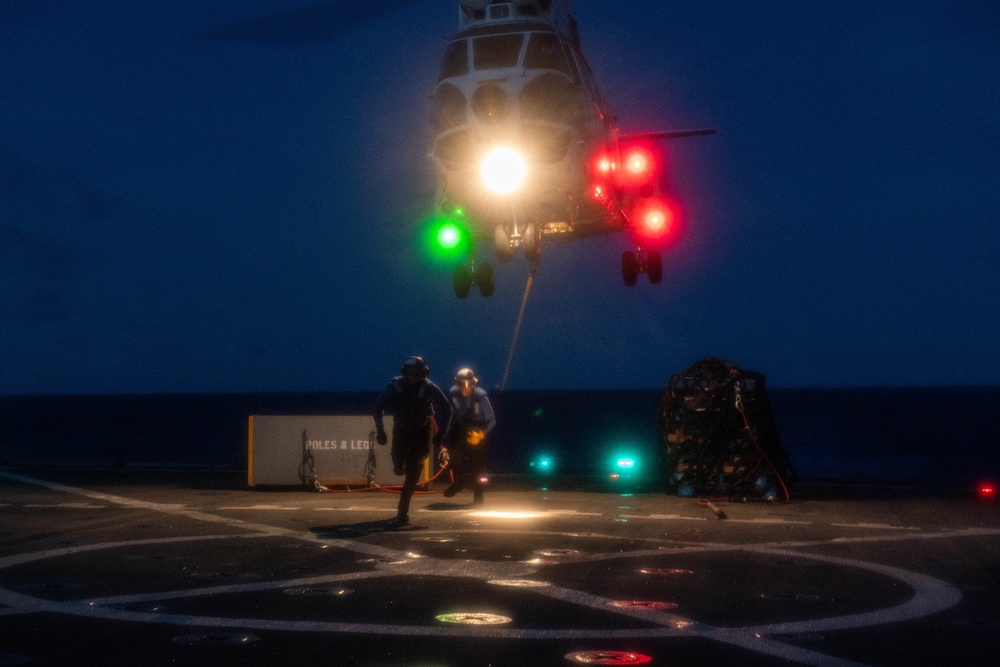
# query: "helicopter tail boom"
{"points": [[665, 134]]}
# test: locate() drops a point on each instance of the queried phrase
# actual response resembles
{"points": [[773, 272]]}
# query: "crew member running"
{"points": [[411, 399], [472, 421]]}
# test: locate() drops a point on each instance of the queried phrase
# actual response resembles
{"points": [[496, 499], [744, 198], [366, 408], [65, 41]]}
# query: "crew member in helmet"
{"points": [[472, 420], [421, 415]]}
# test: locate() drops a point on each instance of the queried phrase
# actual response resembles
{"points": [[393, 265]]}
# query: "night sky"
{"points": [[190, 203]]}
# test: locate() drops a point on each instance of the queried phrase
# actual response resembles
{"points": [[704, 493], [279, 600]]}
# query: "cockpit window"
{"points": [[497, 51], [545, 52], [456, 60]]}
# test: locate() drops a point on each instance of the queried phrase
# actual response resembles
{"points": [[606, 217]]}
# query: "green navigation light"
{"points": [[446, 239], [448, 236]]}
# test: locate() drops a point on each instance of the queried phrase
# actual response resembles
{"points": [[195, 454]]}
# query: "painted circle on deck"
{"points": [[473, 618], [664, 570], [330, 591], [608, 658], [549, 553], [433, 539], [522, 583], [215, 639], [654, 605]]}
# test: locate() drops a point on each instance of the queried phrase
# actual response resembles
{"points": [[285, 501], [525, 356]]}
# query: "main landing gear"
{"points": [[643, 261]]}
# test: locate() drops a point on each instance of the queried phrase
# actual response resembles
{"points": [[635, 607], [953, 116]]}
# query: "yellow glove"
{"points": [[475, 437]]}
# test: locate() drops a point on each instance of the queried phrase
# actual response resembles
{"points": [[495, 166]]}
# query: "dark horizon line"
{"points": [[320, 392]]}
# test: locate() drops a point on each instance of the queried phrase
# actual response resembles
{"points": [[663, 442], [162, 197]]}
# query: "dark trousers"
{"points": [[409, 449], [467, 462]]}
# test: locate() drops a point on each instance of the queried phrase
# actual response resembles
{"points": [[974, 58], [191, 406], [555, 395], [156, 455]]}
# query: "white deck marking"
{"points": [[380, 510], [279, 508], [72, 506], [665, 517], [877, 526]]}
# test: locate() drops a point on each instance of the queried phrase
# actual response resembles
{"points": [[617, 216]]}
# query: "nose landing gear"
{"points": [[644, 261], [468, 274], [513, 235], [506, 238]]}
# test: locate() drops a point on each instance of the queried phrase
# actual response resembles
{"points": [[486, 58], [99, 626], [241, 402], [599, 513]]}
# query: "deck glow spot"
{"points": [[474, 618], [498, 514], [608, 658]]}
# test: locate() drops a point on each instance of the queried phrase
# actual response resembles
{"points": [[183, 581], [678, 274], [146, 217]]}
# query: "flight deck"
{"points": [[174, 567]]}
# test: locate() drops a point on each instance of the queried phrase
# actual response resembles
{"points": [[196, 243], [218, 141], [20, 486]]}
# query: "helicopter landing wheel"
{"points": [[532, 242], [462, 280], [484, 279], [630, 268], [654, 266], [502, 245]]}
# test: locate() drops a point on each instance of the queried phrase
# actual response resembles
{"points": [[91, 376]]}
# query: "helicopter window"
{"points": [[545, 52], [490, 104], [456, 60], [499, 12], [550, 97], [497, 51], [448, 107]]}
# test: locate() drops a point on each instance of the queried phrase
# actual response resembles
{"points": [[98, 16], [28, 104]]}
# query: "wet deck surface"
{"points": [[193, 568]]}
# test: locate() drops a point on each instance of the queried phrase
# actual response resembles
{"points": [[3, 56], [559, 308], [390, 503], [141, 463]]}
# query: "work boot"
{"points": [[452, 490], [401, 520], [477, 497]]}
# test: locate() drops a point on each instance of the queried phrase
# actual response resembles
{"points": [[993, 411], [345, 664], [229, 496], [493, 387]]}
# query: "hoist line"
{"points": [[517, 326]]}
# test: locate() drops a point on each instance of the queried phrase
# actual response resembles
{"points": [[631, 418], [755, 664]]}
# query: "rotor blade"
{"points": [[310, 25], [665, 134]]}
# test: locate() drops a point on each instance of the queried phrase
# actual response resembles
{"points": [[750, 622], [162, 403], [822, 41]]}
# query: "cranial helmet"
{"points": [[415, 365], [466, 375]]}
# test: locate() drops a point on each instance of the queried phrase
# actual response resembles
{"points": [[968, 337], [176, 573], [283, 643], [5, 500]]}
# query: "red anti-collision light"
{"points": [[639, 161], [602, 166], [654, 219], [639, 165]]}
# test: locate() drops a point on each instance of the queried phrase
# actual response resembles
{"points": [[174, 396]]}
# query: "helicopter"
{"points": [[525, 148]]}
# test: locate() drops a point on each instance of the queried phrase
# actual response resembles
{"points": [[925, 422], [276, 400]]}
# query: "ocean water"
{"points": [[940, 437]]}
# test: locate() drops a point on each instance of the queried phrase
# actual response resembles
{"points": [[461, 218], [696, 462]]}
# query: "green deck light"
{"points": [[542, 464], [623, 463]]}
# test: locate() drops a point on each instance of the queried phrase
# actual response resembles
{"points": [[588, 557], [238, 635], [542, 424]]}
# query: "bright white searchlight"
{"points": [[503, 170]]}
